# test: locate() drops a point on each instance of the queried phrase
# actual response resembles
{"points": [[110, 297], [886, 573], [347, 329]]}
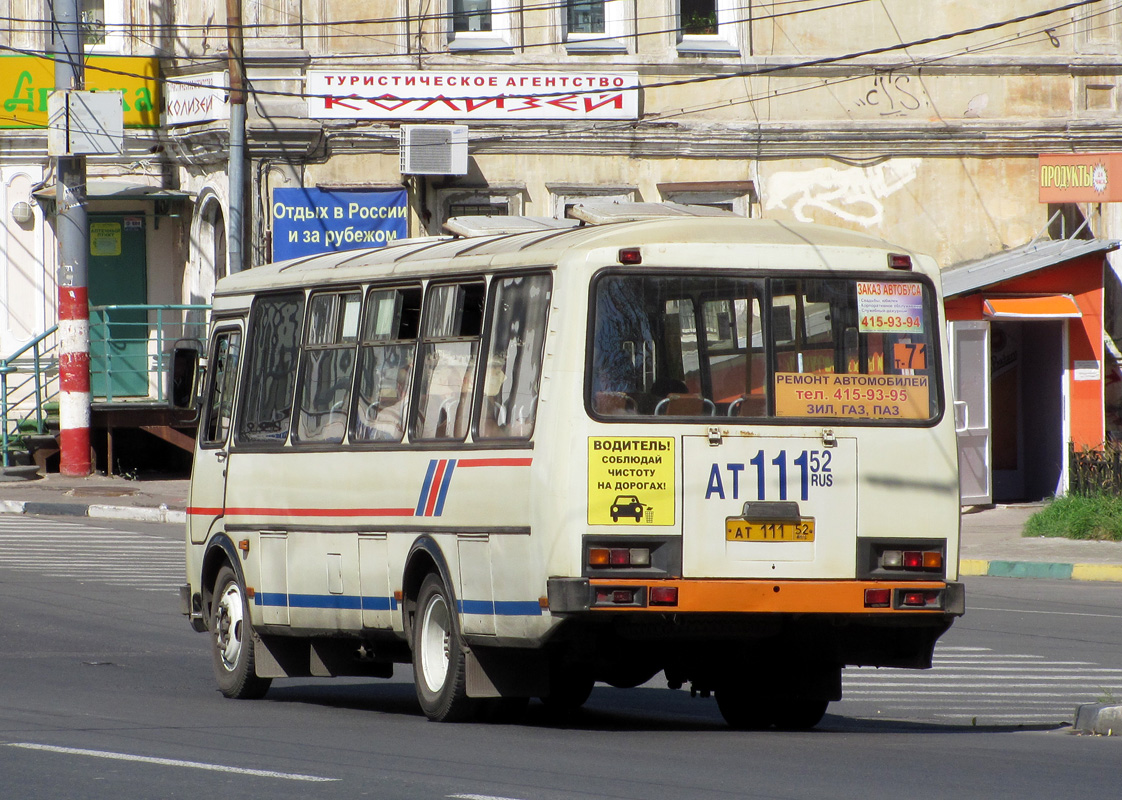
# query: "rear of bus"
{"points": [[772, 488]]}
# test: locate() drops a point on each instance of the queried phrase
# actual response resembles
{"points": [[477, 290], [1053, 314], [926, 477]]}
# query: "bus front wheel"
{"points": [[439, 671], [232, 640]]}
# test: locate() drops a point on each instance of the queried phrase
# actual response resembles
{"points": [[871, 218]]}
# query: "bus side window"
{"points": [[224, 374], [385, 364], [327, 367], [450, 336], [509, 397], [274, 336]]}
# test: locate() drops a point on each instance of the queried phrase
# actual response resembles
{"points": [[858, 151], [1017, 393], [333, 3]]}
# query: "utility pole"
{"points": [[235, 170], [72, 225]]}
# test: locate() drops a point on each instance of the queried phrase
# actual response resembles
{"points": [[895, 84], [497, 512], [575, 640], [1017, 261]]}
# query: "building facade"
{"points": [[921, 123]]}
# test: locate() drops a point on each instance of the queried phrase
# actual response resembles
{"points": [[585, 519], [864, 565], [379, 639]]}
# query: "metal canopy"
{"points": [[1052, 306], [1020, 261], [119, 190]]}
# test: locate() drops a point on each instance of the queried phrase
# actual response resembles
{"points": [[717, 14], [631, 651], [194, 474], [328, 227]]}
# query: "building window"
{"points": [[586, 16], [479, 24], [478, 210], [709, 27], [102, 25], [595, 25], [489, 202], [734, 196], [565, 197], [471, 15]]}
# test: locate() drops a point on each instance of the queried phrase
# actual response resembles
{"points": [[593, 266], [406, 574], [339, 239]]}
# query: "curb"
{"points": [[1040, 569], [131, 513], [1100, 718]]}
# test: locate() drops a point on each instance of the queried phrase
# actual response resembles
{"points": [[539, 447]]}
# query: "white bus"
{"points": [[715, 448]]}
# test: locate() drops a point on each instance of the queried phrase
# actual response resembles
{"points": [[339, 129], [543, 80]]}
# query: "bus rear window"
{"points": [[767, 348]]}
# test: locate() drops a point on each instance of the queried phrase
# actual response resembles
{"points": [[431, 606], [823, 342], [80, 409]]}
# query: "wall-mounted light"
{"points": [[22, 212]]}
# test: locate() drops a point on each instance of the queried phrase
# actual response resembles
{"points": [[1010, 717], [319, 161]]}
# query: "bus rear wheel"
{"points": [[749, 711], [439, 671], [232, 640]]}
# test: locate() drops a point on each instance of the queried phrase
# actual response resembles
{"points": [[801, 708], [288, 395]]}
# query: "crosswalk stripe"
{"points": [[980, 686], [69, 550]]}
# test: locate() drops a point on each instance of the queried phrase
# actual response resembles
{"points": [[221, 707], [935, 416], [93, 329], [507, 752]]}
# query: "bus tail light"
{"points": [[619, 557], [878, 598], [630, 255], [899, 261], [920, 599], [631, 596], [663, 596], [913, 560]]}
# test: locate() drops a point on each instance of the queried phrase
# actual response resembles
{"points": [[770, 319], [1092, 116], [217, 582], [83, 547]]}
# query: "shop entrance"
{"points": [[1027, 409]]}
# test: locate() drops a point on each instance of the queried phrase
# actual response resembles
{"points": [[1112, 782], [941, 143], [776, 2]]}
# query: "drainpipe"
{"points": [[73, 271], [235, 171]]}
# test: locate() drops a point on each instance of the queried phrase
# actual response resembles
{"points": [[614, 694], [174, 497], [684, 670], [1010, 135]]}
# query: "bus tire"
{"points": [[744, 710], [569, 689], [232, 640], [801, 714], [439, 671]]}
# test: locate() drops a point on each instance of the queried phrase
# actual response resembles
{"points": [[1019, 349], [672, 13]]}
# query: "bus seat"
{"points": [[749, 405], [614, 403], [686, 405]]}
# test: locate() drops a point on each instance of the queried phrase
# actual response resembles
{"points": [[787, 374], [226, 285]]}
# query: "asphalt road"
{"points": [[107, 693]]}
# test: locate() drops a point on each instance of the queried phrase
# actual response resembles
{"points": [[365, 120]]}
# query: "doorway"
{"points": [[118, 275], [1027, 409]]}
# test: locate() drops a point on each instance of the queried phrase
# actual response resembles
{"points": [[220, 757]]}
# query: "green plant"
{"points": [[1090, 516]]}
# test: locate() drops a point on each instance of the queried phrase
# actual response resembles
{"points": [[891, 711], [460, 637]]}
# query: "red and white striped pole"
{"points": [[72, 228], [74, 379]]}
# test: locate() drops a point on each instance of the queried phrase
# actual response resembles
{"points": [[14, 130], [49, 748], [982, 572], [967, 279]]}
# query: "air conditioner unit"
{"points": [[434, 149]]}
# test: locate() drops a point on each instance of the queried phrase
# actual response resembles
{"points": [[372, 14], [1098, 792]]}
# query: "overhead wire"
{"points": [[746, 73]]}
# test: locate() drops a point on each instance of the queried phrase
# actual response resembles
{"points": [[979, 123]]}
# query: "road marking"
{"points": [[479, 797], [1050, 613], [980, 686], [91, 554], [171, 762]]}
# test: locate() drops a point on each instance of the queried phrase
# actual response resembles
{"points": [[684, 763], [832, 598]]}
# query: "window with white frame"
{"points": [[710, 26], [479, 24], [103, 25], [490, 202], [734, 196], [595, 24]]}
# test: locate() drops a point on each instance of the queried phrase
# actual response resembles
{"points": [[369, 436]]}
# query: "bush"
{"points": [[1089, 516]]}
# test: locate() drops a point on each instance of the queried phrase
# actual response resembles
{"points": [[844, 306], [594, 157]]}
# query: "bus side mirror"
{"points": [[183, 376]]}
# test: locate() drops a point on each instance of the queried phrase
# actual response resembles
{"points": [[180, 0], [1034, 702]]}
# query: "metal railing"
{"points": [[28, 380], [129, 347], [129, 358]]}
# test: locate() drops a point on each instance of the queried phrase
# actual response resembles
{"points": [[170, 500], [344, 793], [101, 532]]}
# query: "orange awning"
{"points": [[1053, 306]]}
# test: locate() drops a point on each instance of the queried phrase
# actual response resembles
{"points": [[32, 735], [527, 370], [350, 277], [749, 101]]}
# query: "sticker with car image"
{"points": [[631, 480]]}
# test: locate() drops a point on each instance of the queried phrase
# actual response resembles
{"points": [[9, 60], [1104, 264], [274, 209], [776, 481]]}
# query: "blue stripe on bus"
{"points": [[501, 608], [444, 487], [423, 501]]}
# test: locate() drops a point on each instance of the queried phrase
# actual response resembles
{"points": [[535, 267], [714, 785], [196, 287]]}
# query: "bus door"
{"points": [[208, 478]]}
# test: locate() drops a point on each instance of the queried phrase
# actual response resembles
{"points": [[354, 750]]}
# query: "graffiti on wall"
{"points": [[854, 194], [891, 96]]}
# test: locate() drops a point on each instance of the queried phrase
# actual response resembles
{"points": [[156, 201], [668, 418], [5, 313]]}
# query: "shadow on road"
{"points": [[613, 710]]}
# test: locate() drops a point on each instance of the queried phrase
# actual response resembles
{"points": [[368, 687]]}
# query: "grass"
{"points": [[1096, 517]]}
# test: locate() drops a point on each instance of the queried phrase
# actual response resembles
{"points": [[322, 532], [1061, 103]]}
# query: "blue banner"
{"points": [[310, 221]]}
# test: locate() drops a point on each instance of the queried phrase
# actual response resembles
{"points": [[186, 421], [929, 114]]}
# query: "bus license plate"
{"points": [[745, 530]]}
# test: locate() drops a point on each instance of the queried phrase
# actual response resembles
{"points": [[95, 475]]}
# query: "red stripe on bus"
{"points": [[434, 489], [304, 512], [494, 462]]}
